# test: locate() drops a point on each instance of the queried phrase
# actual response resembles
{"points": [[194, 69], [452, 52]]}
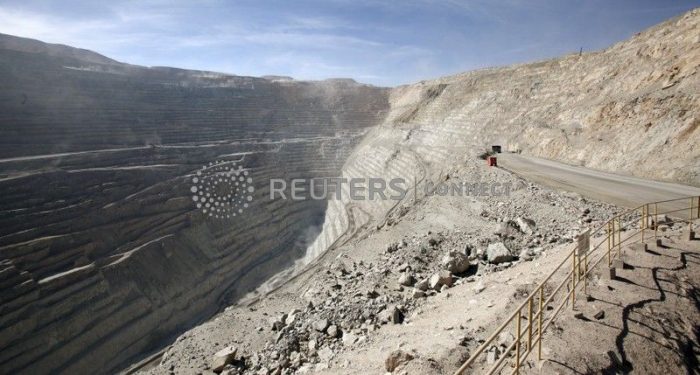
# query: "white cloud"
{"points": [[32, 25], [104, 35]]}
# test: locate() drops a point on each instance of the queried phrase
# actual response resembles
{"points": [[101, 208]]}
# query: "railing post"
{"points": [[619, 238], [690, 217], [609, 245], [573, 279], [539, 324], [529, 324], [646, 217], [643, 223], [517, 345], [656, 221], [580, 267], [585, 274]]}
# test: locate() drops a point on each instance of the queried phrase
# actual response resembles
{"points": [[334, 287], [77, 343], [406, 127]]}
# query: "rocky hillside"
{"points": [[632, 108]]}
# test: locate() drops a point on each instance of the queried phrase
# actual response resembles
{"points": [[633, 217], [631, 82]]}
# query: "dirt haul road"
{"points": [[617, 189]]}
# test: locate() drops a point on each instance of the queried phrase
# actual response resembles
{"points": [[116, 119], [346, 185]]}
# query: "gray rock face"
{"points": [[498, 253]]}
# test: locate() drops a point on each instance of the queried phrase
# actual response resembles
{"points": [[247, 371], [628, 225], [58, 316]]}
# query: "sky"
{"points": [[385, 43]]}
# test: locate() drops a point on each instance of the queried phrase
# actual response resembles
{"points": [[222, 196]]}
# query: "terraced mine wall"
{"points": [[103, 254]]}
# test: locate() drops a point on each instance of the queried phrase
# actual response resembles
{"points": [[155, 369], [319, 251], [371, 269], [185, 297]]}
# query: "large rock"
{"points": [[506, 229], [349, 338], [440, 278], [526, 255], [406, 279], [222, 358], [417, 293], [333, 331], [498, 253], [292, 316], [321, 325], [658, 220], [422, 285], [526, 225], [455, 262], [505, 338], [396, 359], [277, 323], [492, 355], [396, 315]]}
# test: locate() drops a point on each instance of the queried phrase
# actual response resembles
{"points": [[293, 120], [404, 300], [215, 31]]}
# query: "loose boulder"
{"points": [[526, 225], [422, 285], [498, 253], [417, 293], [333, 331], [222, 358], [321, 325], [406, 279], [455, 262], [506, 229], [396, 359], [397, 316], [438, 279]]}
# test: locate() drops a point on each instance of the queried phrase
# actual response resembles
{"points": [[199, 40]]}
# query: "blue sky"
{"points": [[379, 42]]}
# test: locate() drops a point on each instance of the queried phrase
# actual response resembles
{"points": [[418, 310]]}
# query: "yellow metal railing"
{"points": [[535, 307]]}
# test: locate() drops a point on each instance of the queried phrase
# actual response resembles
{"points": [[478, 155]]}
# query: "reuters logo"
{"points": [[222, 189]]}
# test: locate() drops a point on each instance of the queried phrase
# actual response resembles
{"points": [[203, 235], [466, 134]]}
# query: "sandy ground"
{"points": [[650, 324]]}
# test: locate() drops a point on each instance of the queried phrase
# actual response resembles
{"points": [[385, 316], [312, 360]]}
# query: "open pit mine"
{"points": [[108, 252]]}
